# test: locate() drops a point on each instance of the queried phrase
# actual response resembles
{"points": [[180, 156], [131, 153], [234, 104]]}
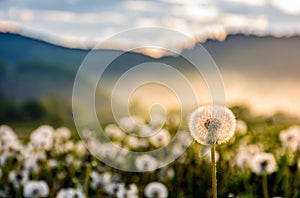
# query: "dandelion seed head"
{"points": [[132, 191], [212, 125], [161, 138], [290, 138], [241, 127], [146, 163], [70, 192], [263, 163], [156, 189], [36, 189]]}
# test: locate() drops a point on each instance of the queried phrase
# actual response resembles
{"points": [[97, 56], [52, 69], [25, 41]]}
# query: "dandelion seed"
{"points": [[184, 138], [95, 179], [212, 125], [157, 120], [290, 138], [18, 178], [146, 131], [146, 163], [34, 161], [36, 189], [156, 190], [70, 192], [115, 189], [62, 134], [243, 159], [52, 163], [161, 138], [263, 163], [42, 138], [130, 124], [133, 191], [113, 131], [241, 127], [132, 142], [80, 149]]}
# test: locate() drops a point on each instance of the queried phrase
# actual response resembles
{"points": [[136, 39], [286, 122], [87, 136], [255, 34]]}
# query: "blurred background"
{"points": [[255, 45]]}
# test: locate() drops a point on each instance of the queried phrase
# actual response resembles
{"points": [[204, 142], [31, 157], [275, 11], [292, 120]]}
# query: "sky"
{"points": [[83, 23]]}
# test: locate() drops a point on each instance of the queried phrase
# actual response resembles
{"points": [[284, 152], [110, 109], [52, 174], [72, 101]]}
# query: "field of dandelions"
{"points": [[53, 162]]}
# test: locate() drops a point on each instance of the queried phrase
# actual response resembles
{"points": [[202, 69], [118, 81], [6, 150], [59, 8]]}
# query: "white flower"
{"points": [[156, 190], [212, 124], [62, 134], [243, 159], [161, 138], [146, 131], [68, 146], [70, 193], [245, 155], [8, 138], [80, 148], [177, 150], [113, 131], [241, 127], [116, 189], [263, 163], [105, 178], [157, 120], [129, 124], [184, 138], [18, 178], [133, 191], [52, 163], [42, 138], [290, 138], [95, 179], [146, 163], [132, 142], [35, 189], [33, 161], [166, 173]]}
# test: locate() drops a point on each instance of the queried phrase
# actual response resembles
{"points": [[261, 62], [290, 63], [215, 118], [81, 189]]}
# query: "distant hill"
{"points": [[31, 68]]}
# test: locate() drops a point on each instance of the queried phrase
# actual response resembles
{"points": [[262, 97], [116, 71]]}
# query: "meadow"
{"points": [[52, 161]]}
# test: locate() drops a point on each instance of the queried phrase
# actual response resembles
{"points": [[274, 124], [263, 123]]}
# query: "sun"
{"points": [[153, 52]]}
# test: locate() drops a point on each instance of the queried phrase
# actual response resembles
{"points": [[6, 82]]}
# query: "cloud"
{"points": [[143, 6], [57, 16], [248, 3], [287, 6], [242, 23], [77, 20], [203, 13]]}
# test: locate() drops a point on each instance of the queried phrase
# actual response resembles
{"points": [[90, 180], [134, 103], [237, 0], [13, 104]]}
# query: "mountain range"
{"points": [[31, 68]]}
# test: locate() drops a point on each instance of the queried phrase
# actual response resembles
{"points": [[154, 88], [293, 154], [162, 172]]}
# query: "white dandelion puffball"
{"points": [[241, 127], [290, 138], [146, 163], [156, 189], [263, 163], [161, 138], [36, 189], [211, 125], [70, 192]]}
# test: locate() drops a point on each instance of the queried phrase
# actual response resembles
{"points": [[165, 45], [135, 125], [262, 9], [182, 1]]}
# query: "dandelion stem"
{"points": [[213, 172], [87, 179], [265, 186]]}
